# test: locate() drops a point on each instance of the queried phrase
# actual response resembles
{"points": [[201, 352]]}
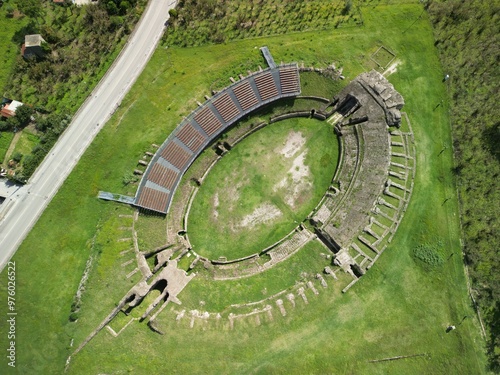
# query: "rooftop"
{"points": [[9, 109], [33, 40]]}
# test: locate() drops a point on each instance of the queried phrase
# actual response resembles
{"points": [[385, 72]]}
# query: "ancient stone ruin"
{"points": [[355, 220]]}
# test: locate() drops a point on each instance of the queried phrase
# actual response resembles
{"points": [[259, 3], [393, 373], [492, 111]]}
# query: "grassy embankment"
{"points": [[398, 308]]}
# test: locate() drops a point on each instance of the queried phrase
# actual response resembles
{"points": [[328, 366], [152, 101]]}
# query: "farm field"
{"points": [[401, 307]]}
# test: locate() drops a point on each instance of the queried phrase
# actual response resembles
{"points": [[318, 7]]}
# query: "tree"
{"points": [[124, 7], [4, 125], [23, 115], [12, 123], [9, 10], [30, 8], [17, 156], [111, 7], [173, 13], [347, 7]]}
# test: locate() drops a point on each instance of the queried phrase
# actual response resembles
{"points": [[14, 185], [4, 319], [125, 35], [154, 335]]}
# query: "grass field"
{"points": [[267, 184], [5, 139], [26, 142], [218, 296], [397, 308]]}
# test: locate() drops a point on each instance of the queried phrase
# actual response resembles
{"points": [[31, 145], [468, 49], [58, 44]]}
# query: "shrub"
{"points": [[347, 7], [17, 157], [73, 317], [129, 178], [429, 254], [173, 13], [9, 11]]}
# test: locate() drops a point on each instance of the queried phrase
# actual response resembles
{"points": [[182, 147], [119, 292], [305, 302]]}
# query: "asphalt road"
{"points": [[20, 212]]}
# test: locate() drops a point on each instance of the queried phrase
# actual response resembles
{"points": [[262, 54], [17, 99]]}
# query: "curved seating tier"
{"points": [[204, 124]]}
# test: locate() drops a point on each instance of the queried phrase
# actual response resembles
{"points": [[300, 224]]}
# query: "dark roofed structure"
{"points": [[32, 46]]}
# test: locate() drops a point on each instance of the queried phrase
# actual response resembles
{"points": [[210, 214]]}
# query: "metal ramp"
{"points": [[116, 197], [269, 58]]}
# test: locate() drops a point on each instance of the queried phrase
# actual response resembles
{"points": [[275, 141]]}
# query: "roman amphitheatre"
{"points": [[353, 221], [271, 224]]}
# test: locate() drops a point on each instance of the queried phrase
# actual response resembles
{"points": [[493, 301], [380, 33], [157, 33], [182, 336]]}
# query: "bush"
{"points": [[347, 7], [75, 307], [173, 13], [129, 178], [17, 157], [73, 317], [23, 115], [9, 11], [429, 254]]}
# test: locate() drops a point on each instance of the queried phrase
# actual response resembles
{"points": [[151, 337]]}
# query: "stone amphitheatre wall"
{"points": [[375, 179]]}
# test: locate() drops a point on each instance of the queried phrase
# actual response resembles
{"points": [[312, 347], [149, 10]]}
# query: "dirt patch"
{"points": [[264, 213], [299, 170], [216, 205], [392, 68], [297, 180], [292, 144], [229, 194]]}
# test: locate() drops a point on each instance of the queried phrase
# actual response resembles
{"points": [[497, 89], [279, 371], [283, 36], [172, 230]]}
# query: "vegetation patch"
{"points": [[315, 84], [5, 140], [220, 295], [467, 38], [26, 142], [193, 23], [11, 21], [80, 44], [430, 254]]}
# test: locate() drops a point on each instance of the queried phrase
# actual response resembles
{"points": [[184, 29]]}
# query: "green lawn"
{"points": [[26, 142], [219, 295], [397, 308], [5, 140], [256, 179]]}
